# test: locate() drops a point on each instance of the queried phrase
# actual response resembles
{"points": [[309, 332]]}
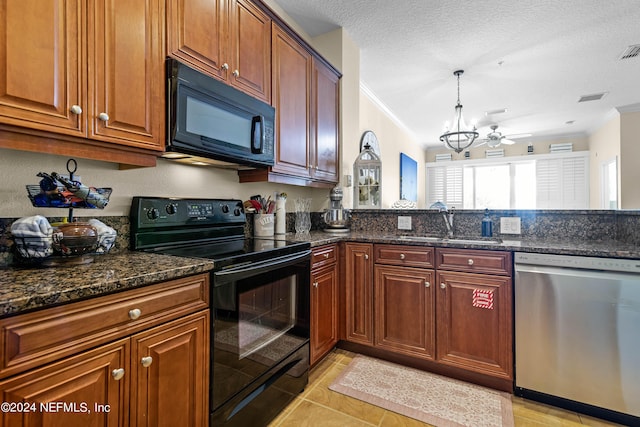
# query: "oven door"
{"points": [[261, 317]]}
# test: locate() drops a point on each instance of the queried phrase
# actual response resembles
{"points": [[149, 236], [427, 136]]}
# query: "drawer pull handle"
{"points": [[146, 361], [103, 117], [134, 314], [470, 261], [326, 256], [117, 374], [402, 256], [225, 66], [427, 284], [236, 73], [443, 285], [76, 109]]}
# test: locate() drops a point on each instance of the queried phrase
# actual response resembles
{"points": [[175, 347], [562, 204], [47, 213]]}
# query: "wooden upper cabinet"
{"points": [[325, 153], [196, 33], [89, 69], [250, 55], [291, 94], [227, 39], [42, 65], [126, 72]]}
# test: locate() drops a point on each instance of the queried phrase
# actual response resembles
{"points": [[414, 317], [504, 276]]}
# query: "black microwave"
{"points": [[208, 118]]}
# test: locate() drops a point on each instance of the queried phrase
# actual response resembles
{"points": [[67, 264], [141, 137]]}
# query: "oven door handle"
{"points": [[242, 272]]}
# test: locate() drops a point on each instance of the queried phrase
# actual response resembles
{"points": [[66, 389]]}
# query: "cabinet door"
{"points": [[41, 64], [324, 311], [404, 314], [325, 160], [196, 34], [88, 383], [126, 73], [474, 317], [170, 367], [291, 93], [250, 57], [359, 293]]}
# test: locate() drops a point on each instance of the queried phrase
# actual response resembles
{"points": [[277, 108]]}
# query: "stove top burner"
{"points": [[202, 228]]}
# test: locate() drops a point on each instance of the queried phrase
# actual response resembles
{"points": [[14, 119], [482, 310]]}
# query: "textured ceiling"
{"points": [[535, 58]]}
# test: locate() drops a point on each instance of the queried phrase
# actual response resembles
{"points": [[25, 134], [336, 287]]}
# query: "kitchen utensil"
{"points": [[75, 238]]}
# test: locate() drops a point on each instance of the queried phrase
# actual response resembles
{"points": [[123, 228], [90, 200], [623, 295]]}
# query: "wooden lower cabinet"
{"points": [[145, 364], [324, 311], [86, 383], [475, 337], [358, 293], [404, 310], [449, 310]]}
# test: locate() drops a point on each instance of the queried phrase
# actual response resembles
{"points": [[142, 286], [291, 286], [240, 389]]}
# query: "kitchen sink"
{"points": [[474, 241], [450, 240], [421, 238]]}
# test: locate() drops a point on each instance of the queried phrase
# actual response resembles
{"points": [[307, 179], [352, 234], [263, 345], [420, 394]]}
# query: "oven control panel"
{"points": [[153, 212]]}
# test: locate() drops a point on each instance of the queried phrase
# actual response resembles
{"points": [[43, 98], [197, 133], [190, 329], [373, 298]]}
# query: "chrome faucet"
{"points": [[448, 221]]}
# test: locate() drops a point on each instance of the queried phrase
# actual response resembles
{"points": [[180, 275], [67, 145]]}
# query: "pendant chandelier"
{"points": [[459, 136]]}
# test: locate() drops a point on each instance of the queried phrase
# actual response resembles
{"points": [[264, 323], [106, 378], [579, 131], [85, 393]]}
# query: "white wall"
{"points": [[604, 145], [167, 179]]}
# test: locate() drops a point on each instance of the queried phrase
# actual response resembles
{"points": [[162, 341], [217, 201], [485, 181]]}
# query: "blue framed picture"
{"points": [[408, 178]]}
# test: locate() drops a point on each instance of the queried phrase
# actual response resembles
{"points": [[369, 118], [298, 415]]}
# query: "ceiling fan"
{"points": [[495, 138]]}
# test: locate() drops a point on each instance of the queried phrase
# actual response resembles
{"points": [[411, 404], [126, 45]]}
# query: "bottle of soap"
{"points": [[487, 225]]}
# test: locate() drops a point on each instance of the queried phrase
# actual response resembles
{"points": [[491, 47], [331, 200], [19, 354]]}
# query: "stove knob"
{"points": [[153, 213], [237, 211], [225, 208], [171, 209]]}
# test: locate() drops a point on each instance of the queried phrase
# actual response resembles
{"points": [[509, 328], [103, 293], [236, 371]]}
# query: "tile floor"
{"points": [[318, 406]]}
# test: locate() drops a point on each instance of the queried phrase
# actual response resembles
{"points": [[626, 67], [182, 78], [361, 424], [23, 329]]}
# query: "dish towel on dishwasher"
{"points": [[32, 235], [106, 236]]}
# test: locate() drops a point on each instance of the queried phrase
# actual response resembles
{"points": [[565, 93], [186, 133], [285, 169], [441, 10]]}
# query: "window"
{"points": [[558, 181]]}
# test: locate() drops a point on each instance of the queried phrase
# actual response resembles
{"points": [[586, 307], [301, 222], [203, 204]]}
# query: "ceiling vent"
{"points": [[631, 52], [491, 154], [493, 112], [593, 97], [443, 157]]}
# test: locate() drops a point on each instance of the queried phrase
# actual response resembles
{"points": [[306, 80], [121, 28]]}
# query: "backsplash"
{"points": [[588, 225], [591, 225]]}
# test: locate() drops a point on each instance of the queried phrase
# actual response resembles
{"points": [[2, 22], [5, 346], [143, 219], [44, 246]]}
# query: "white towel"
{"points": [[106, 236], [32, 236]]}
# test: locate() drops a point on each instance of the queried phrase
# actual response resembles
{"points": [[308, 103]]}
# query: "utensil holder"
{"points": [[263, 225]]}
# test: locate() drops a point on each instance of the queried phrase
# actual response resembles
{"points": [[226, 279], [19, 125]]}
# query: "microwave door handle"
{"points": [[257, 135], [239, 273]]}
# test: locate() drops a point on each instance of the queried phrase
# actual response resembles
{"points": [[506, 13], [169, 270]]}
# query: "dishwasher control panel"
{"points": [[571, 261]]}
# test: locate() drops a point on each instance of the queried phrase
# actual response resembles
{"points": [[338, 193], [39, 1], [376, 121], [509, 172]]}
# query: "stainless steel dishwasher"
{"points": [[577, 333]]}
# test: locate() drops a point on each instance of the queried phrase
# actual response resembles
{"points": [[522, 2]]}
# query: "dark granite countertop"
{"points": [[607, 249], [25, 289]]}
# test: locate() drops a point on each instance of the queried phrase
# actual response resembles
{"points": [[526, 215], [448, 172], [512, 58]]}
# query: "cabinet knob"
{"points": [[470, 261], [326, 256], [443, 286], [427, 284], [366, 256], [225, 66], [315, 284], [117, 374], [236, 73], [134, 314], [76, 109], [146, 361], [402, 256], [103, 116]]}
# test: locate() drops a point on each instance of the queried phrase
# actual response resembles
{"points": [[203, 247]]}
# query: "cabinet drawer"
{"points": [[414, 256], [32, 339], [474, 261], [324, 255]]}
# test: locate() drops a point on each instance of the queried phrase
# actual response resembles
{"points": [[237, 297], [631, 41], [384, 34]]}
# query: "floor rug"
{"points": [[430, 398]]}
